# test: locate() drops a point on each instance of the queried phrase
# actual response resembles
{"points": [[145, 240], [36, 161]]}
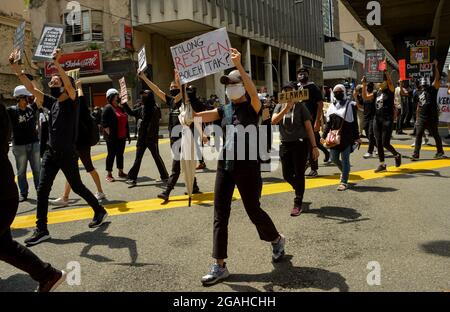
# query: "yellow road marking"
{"points": [[182, 201]]}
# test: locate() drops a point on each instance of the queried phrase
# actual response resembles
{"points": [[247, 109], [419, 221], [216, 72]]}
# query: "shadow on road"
{"points": [[344, 215], [406, 174], [439, 248], [375, 189], [17, 233], [99, 237], [286, 276], [18, 283]]}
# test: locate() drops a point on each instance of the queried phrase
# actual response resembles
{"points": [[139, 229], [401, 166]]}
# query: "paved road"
{"points": [[400, 219]]}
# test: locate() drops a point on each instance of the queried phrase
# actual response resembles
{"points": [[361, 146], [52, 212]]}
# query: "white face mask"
{"points": [[235, 92]]}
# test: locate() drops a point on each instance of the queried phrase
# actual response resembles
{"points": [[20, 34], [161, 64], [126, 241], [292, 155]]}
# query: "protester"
{"points": [[116, 133], [43, 130], [398, 108], [315, 107], [12, 252], [88, 136], [26, 146], [384, 119], [148, 137], [428, 113], [61, 151], [296, 129], [174, 101], [357, 97], [243, 110], [342, 117]]}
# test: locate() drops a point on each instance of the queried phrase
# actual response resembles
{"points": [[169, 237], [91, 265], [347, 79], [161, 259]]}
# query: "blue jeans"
{"points": [[344, 164], [24, 154]]}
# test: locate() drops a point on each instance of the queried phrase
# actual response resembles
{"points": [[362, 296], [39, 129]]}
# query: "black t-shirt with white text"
{"points": [[427, 103], [24, 124], [384, 104]]}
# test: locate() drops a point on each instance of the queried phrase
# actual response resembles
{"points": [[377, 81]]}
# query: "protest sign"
{"points": [[203, 55], [19, 42], [443, 101], [419, 57], [74, 73], [50, 38], [295, 96], [375, 65], [142, 60], [123, 91]]}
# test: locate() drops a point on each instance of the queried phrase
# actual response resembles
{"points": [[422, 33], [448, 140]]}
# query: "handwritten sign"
{"points": [[203, 55], [74, 73], [50, 38], [444, 105], [419, 57], [294, 96], [142, 59], [375, 65], [123, 91], [19, 41]]}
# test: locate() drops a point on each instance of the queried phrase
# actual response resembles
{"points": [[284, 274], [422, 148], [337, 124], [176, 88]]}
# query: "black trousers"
{"points": [[315, 163], [154, 149], [247, 178], [293, 157], [116, 149], [176, 169], [51, 164], [404, 121], [368, 129], [383, 133], [15, 254], [432, 127]]}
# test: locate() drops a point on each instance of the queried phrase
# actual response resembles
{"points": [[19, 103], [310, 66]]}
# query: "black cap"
{"points": [[288, 85]]}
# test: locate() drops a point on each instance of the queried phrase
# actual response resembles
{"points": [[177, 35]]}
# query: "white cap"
{"points": [[21, 91], [111, 92]]}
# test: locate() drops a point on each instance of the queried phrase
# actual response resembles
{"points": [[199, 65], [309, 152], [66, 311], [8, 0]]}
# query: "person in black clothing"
{"points": [[369, 116], [315, 107], [174, 101], [116, 133], [12, 252], [148, 137], [295, 129], [384, 119], [428, 113], [243, 110], [61, 152], [26, 146]]}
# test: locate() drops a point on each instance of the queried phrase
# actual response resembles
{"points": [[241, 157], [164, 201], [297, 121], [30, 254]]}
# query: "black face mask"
{"points": [[339, 96], [56, 91], [192, 94], [303, 77], [174, 92]]}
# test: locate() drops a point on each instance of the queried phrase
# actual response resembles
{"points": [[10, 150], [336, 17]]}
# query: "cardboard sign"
{"points": [[443, 101], [295, 96], [142, 60], [123, 91], [19, 42], [49, 42], [203, 55], [89, 62], [419, 57], [74, 73], [375, 65]]}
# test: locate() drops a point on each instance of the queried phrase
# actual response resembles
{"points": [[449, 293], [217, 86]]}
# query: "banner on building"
{"points": [[123, 91], [126, 37], [375, 65], [88, 62], [419, 57], [203, 55], [295, 96], [142, 59], [49, 42], [19, 42], [444, 105]]}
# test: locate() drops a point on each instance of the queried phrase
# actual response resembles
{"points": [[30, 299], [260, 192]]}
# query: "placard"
{"points": [[375, 65], [19, 42], [419, 57], [49, 42], [295, 96], [443, 101], [203, 55], [142, 60], [74, 73], [123, 91]]}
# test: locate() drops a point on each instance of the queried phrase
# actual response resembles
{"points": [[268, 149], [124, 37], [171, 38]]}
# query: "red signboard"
{"points": [[128, 37], [88, 62]]}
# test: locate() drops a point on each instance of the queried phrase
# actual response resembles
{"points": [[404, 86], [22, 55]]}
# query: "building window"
{"points": [[90, 27]]}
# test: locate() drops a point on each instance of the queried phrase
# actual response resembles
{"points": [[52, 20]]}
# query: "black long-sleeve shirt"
{"points": [[8, 188]]}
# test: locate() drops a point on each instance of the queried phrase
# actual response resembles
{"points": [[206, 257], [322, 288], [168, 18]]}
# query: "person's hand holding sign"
{"points": [[13, 56], [57, 55]]}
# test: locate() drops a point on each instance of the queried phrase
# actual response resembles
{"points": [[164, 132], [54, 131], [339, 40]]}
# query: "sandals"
{"points": [[342, 187]]}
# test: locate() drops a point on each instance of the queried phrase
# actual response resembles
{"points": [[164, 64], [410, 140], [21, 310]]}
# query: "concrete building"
{"points": [[12, 13], [258, 28]]}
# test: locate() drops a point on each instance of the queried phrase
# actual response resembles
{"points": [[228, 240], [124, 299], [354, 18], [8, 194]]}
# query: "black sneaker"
{"points": [[164, 195], [439, 156], [131, 182], [415, 157], [53, 282], [398, 160], [194, 191], [98, 220], [313, 174], [381, 168], [23, 198], [38, 237]]}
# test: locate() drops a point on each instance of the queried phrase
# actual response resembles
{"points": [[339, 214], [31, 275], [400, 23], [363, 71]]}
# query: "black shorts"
{"points": [[85, 156]]}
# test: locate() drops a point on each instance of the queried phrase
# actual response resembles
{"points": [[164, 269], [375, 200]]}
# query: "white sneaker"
{"points": [[100, 196], [413, 145], [367, 155], [60, 202]]}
